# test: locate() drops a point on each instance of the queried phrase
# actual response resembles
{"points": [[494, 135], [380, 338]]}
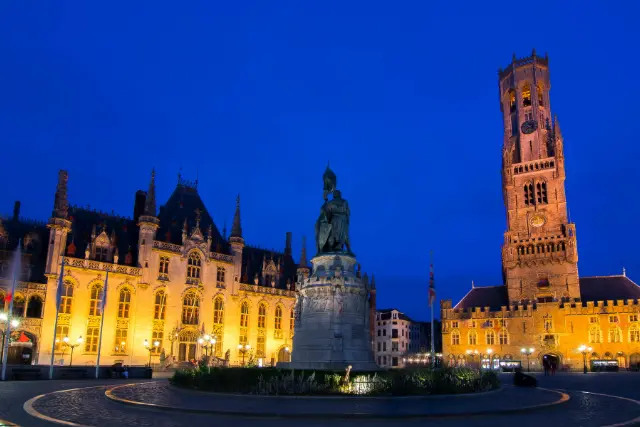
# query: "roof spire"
{"points": [[624, 272], [473, 285], [150, 202], [60, 202], [236, 228]]}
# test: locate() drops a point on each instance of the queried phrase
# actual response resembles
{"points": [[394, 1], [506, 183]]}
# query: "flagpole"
{"points": [[103, 303], [431, 300], [55, 323], [7, 332]]}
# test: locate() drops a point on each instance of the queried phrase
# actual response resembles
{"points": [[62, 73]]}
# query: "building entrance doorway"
{"points": [[551, 361], [21, 348], [188, 342]]}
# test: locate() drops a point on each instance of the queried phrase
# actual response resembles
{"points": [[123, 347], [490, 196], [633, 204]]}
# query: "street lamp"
{"points": [[4, 318], [207, 342], [243, 349], [490, 353], [584, 350], [528, 352], [72, 346], [149, 348]]}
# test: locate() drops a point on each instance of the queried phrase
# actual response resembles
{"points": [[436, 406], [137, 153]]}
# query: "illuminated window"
{"points": [[67, 298], [634, 333], [512, 101], [193, 266], [260, 351], [615, 334], [455, 338], [218, 311], [120, 346], [124, 303], [190, 309], [473, 338], [490, 338], [61, 332], [540, 95], [526, 95], [595, 335], [163, 271], [262, 316], [244, 315], [18, 306], [160, 306], [220, 276], [157, 336], [503, 337], [292, 320], [277, 324], [95, 302], [91, 340]]}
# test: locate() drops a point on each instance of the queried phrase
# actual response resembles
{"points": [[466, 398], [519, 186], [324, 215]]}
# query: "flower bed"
{"points": [[272, 381]]}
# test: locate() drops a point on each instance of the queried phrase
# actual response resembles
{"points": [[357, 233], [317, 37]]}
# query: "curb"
{"points": [[5, 423], [354, 415]]}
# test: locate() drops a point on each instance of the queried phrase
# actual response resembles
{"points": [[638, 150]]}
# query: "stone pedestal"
{"points": [[332, 318]]}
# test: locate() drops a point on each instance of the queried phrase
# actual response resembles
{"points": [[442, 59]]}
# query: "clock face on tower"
{"points": [[529, 126], [537, 221]]}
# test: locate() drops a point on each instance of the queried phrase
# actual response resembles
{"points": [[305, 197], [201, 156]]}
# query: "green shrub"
{"points": [[275, 381]]}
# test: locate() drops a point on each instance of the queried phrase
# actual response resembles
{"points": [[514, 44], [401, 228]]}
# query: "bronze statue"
{"points": [[332, 226]]}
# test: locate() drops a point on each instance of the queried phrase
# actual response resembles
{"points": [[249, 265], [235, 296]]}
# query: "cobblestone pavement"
{"points": [[508, 398], [90, 407]]}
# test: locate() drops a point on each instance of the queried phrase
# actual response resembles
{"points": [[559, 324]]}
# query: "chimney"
{"points": [[138, 207], [16, 210], [287, 248]]}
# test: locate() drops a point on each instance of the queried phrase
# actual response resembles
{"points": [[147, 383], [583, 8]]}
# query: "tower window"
{"points": [[541, 193], [540, 95], [528, 195], [526, 95], [512, 101]]}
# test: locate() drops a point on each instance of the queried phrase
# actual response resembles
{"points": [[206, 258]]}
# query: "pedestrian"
{"points": [[553, 367], [545, 365]]}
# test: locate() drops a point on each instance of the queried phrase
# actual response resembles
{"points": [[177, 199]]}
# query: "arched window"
{"points": [[95, 303], [102, 251], [124, 303], [262, 316], [455, 337], [634, 333], [218, 311], [503, 337], [595, 335], [67, 298], [18, 306], [190, 309], [34, 308], [220, 277], [529, 197], [541, 193], [490, 337], [615, 334], [473, 338], [526, 95], [277, 324], [512, 100], [540, 95], [244, 315], [193, 267], [163, 270], [160, 306]]}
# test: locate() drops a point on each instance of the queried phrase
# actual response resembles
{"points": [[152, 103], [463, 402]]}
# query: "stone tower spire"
{"points": [[61, 203], [150, 203], [236, 228]]}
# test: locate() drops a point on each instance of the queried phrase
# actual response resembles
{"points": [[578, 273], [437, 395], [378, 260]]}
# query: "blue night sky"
{"points": [[255, 97]]}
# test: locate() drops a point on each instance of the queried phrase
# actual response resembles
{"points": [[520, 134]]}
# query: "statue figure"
{"points": [[332, 226]]}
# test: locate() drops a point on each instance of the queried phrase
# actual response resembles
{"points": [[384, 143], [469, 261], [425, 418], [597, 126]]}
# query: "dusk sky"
{"points": [[255, 97]]}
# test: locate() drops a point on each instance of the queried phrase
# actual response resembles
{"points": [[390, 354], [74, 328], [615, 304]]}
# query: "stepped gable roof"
{"points": [[82, 222], [35, 238], [385, 314], [603, 288], [182, 205], [493, 297], [252, 262]]}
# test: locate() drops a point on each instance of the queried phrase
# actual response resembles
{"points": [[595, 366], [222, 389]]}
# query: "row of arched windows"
{"points": [[489, 337], [22, 307], [542, 248], [615, 334], [526, 96]]}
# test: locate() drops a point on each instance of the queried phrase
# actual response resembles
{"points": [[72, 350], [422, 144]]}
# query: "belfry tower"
{"points": [[539, 254]]}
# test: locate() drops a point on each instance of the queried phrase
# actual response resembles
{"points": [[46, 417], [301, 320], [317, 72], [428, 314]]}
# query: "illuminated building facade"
{"points": [[173, 277], [543, 303]]}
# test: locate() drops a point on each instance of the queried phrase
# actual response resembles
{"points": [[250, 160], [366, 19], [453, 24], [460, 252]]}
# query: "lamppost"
{"points": [[207, 342], [72, 346], [584, 350], [527, 352], [472, 354], [490, 353], [4, 319], [149, 348], [243, 349]]}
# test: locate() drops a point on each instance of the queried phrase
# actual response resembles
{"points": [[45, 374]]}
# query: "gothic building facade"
{"points": [[543, 303], [171, 278]]}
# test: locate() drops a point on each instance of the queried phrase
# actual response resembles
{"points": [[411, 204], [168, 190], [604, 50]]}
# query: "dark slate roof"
{"points": [[602, 288], [491, 296], [82, 222], [252, 261], [35, 238], [183, 204], [385, 314]]}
